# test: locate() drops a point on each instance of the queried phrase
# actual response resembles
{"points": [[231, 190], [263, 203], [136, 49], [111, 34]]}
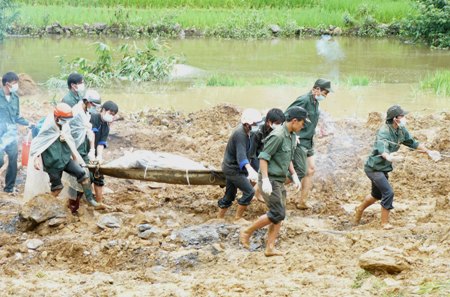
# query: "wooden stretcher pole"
{"points": [[168, 176]]}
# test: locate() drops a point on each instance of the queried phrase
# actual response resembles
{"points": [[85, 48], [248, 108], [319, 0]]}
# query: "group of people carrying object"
{"points": [[262, 156], [73, 135]]}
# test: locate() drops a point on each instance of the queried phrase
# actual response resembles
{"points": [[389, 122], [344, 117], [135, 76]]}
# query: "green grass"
{"points": [[357, 81], [360, 278], [438, 82], [435, 287], [204, 14], [219, 80]]}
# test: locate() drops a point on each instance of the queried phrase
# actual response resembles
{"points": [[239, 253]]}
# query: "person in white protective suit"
{"points": [[81, 130], [53, 151]]}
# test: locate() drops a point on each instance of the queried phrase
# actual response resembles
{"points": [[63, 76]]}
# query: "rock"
{"points": [[34, 244], [143, 227], [55, 222], [200, 235], [109, 221], [275, 29], [384, 259], [184, 259], [99, 27], [42, 208], [336, 31]]}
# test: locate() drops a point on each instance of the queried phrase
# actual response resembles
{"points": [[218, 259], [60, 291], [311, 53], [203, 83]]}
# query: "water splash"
{"points": [[329, 48]]}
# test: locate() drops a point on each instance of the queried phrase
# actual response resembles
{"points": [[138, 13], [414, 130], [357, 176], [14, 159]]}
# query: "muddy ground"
{"points": [[186, 252]]}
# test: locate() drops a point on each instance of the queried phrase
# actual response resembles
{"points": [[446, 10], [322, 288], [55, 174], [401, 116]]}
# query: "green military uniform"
{"points": [[306, 146], [278, 151], [9, 118], [71, 98], [56, 156], [388, 140]]}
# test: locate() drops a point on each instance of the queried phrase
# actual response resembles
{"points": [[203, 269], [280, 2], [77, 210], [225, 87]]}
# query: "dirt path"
{"points": [[188, 253]]}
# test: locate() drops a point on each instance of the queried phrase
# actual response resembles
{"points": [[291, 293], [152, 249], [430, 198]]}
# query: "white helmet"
{"points": [[251, 116]]}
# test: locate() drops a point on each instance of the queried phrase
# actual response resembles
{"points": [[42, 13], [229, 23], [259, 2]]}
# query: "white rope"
{"points": [[187, 177]]}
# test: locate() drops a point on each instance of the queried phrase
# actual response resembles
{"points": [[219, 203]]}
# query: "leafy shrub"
{"points": [[134, 64], [431, 24], [7, 15]]}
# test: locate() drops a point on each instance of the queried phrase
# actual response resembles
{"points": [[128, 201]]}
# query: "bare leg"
{"points": [[55, 193], [368, 201], [222, 212], [261, 222], [238, 218], [258, 194], [98, 193], [385, 219], [274, 229], [307, 183]]}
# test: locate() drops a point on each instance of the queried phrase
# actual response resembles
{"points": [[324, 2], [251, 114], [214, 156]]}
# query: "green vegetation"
{"points": [[439, 82], [431, 23], [133, 64], [358, 81], [230, 19], [8, 14], [219, 80], [360, 277], [435, 287]]}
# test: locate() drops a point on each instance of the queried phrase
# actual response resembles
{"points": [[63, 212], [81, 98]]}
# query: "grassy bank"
{"points": [[210, 15]]}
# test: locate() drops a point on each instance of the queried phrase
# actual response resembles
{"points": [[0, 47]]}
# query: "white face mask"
{"points": [[14, 88], [402, 122], [107, 117], [274, 126], [255, 129], [320, 97], [81, 88]]}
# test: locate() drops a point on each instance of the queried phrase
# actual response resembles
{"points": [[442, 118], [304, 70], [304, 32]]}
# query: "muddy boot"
{"points": [[88, 194], [385, 219]]}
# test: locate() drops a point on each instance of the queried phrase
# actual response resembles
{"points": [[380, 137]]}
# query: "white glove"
{"points": [[434, 155], [266, 186], [99, 159], [393, 157], [297, 183], [252, 174], [91, 155]]}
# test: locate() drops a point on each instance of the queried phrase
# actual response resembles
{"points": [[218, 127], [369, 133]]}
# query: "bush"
{"points": [[134, 64], [431, 24], [8, 14]]}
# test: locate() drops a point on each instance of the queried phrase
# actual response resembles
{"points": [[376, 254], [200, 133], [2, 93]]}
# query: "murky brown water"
{"points": [[394, 71]]}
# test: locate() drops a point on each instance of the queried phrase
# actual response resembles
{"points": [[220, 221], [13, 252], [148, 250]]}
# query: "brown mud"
{"points": [[188, 252]]}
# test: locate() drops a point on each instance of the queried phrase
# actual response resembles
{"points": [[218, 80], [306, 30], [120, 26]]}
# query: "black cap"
{"points": [[297, 112], [394, 111], [323, 84]]}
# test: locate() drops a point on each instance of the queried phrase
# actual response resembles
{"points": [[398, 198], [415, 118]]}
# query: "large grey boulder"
{"points": [[384, 259]]}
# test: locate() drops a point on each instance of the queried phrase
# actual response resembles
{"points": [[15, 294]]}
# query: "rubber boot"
{"points": [[368, 201], [238, 219], [385, 219], [88, 194]]}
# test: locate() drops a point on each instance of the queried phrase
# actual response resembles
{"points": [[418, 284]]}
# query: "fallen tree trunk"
{"points": [[168, 176]]}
